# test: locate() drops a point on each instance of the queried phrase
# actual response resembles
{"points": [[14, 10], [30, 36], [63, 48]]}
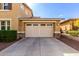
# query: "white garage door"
{"points": [[39, 30]]}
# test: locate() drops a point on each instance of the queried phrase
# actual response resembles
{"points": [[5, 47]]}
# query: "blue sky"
{"points": [[55, 10]]}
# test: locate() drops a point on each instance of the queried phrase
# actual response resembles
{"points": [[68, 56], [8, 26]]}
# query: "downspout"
{"points": [[54, 29], [24, 29]]}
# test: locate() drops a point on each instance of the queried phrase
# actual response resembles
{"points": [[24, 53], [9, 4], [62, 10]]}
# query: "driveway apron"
{"points": [[38, 47]]}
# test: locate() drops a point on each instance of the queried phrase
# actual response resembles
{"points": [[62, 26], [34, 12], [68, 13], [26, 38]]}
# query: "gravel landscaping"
{"points": [[69, 40]]}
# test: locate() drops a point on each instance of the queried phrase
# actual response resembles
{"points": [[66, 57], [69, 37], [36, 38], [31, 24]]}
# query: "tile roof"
{"points": [[71, 19], [38, 18]]}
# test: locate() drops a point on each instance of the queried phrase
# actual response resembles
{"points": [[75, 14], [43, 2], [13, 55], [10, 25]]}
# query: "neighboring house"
{"points": [[76, 23], [70, 24], [18, 16]]}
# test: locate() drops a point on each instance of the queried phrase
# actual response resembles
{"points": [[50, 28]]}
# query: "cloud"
{"points": [[60, 16]]}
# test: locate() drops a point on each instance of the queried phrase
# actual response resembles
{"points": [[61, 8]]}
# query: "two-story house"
{"points": [[18, 16]]}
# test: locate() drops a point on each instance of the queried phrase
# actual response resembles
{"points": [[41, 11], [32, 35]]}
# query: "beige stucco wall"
{"points": [[28, 11], [22, 28], [13, 15]]}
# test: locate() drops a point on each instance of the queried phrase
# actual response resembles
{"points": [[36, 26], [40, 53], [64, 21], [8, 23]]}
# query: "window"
{"points": [[3, 28], [29, 24], [1, 6], [8, 25], [49, 24], [42, 24], [5, 6], [35, 24], [4, 25]]}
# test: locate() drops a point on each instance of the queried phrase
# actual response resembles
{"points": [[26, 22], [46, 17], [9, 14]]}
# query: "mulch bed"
{"points": [[69, 41], [4, 45]]}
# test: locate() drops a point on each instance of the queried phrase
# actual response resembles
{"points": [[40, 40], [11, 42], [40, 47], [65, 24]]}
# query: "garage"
{"points": [[39, 30], [39, 27]]}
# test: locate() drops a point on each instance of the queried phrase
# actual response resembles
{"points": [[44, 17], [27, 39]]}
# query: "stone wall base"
{"points": [[20, 35]]}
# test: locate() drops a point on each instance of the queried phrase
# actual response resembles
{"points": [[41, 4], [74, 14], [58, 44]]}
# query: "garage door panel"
{"points": [[32, 31], [39, 31], [46, 32], [35, 32]]}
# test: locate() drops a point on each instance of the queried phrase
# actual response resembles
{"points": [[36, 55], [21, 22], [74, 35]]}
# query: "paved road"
{"points": [[38, 47]]}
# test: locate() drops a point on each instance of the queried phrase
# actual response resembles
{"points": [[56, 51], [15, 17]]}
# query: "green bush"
{"points": [[73, 33], [8, 35]]}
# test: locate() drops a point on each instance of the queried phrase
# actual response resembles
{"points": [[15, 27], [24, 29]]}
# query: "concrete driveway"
{"points": [[39, 47]]}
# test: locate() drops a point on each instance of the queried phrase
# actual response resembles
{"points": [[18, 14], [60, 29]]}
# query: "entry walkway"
{"points": [[39, 47]]}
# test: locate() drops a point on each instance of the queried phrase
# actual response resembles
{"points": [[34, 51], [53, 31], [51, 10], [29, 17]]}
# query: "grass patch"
{"points": [[73, 33]]}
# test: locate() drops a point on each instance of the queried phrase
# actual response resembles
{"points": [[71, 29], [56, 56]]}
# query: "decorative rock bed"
{"points": [[69, 40]]}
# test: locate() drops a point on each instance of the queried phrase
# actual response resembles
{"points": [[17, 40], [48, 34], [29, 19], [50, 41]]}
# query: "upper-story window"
{"points": [[5, 6]]}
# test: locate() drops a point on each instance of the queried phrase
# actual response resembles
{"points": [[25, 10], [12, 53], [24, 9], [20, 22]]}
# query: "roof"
{"points": [[26, 6], [72, 19], [38, 18]]}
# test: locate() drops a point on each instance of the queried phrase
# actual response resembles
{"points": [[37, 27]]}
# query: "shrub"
{"points": [[73, 33], [8, 35]]}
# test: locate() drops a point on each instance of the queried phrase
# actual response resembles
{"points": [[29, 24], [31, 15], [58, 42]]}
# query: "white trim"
{"points": [[57, 31], [5, 19], [5, 10], [5, 25], [10, 24], [20, 32]]}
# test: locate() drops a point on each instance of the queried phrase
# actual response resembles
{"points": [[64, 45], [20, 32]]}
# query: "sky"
{"points": [[55, 10]]}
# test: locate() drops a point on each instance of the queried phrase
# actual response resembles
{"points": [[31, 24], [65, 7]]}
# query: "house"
{"points": [[18, 16], [70, 24]]}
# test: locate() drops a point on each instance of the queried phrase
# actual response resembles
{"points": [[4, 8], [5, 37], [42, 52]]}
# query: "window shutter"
{"points": [[0, 5], [10, 6]]}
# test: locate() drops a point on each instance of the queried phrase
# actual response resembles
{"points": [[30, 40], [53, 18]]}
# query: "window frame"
{"points": [[3, 8], [42, 24], [29, 24], [49, 25], [35, 24], [6, 25]]}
